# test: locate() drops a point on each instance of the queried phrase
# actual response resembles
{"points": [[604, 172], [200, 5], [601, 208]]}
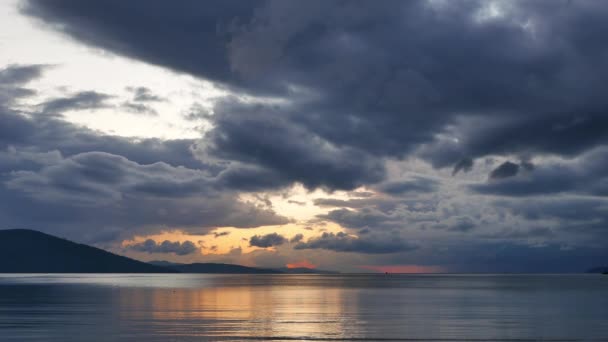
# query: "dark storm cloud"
{"points": [[84, 100], [260, 135], [175, 247], [564, 208], [458, 224], [250, 177], [342, 242], [192, 35], [417, 185], [562, 133], [366, 217], [401, 74], [465, 165], [394, 213], [504, 170], [85, 194], [536, 232], [268, 240], [587, 174]]}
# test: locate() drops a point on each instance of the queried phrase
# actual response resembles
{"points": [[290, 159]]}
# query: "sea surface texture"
{"points": [[194, 307]]}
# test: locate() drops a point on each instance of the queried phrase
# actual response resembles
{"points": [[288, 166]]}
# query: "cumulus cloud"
{"points": [[14, 77], [587, 174], [84, 100], [465, 165], [296, 238], [342, 242], [268, 240], [504, 170], [17, 74], [417, 185], [175, 247]]}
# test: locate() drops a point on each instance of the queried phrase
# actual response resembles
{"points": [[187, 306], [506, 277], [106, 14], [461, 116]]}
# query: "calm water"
{"points": [[303, 307]]}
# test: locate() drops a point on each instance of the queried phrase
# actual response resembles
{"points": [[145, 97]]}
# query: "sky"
{"points": [[358, 136]]}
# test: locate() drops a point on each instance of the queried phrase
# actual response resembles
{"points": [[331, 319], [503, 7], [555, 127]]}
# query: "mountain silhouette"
{"points": [[602, 269], [30, 251], [230, 268], [214, 268]]}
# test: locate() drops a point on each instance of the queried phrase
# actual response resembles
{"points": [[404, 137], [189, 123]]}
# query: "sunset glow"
{"points": [[301, 264]]}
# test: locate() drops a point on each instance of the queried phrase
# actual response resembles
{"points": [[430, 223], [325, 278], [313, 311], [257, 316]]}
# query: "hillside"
{"points": [[29, 251], [220, 268], [603, 269]]}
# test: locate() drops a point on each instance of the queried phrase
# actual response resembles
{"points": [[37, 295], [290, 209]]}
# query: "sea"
{"points": [[287, 307]]}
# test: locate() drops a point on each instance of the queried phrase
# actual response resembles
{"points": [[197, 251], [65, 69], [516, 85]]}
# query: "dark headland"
{"points": [[30, 251]]}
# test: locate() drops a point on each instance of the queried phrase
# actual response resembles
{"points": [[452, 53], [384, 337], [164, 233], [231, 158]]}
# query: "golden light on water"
{"points": [[244, 311]]}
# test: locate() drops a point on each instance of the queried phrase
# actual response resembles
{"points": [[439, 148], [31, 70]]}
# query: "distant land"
{"points": [[603, 269], [30, 251], [213, 268], [229, 268]]}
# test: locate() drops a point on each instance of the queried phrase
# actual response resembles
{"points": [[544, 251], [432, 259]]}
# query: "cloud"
{"points": [[87, 193], [44, 133], [140, 103], [417, 185], [260, 136], [343, 102], [457, 224], [220, 234], [268, 240], [296, 238], [84, 100], [505, 170], [12, 79], [144, 94], [465, 165], [587, 174], [176, 247], [139, 108], [88, 186], [341, 78], [16, 74], [342, 242]]}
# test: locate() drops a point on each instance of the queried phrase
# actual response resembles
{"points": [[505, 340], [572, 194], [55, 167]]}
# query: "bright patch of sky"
{"points": [[76, 67]]}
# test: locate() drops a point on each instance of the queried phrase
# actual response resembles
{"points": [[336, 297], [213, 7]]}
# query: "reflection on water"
{"points": [[296, 307]]}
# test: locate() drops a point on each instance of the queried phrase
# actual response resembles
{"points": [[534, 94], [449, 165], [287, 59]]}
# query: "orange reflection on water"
{"points": [[244, 311]]}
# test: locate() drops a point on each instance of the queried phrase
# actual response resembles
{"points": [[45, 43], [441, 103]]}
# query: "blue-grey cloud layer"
{"points": [[362, 85]]}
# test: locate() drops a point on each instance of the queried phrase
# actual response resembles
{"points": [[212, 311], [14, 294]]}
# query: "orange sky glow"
{"points": [[301, 264]]}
